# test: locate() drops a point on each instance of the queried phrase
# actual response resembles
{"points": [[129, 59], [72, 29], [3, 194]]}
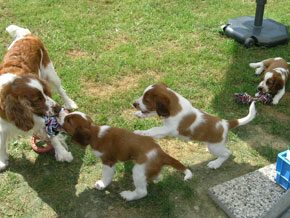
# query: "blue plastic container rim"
{"points": [[282, 155]]}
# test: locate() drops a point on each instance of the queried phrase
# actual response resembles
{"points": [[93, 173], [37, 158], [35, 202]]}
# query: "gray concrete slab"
{"points": [[249, 196]]}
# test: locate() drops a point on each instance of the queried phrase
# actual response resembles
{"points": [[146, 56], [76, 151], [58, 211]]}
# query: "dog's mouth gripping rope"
{"points": [[245, 98], [52, 128]]}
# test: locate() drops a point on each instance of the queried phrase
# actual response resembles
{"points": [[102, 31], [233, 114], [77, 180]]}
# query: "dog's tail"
{"points": [[168, 160], [16, 31], [244, 120]]}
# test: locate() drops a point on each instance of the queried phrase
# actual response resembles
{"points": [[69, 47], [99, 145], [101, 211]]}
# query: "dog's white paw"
{"points": [[100, 185], [214, 164], [64, 156], [3, 165], [128, 195], [275, 101], [188, 175], [139, 114], [141, 132], [70, 104], [257, 94]]}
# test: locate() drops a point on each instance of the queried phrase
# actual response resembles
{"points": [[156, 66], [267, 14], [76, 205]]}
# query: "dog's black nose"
{"points": [[260, 88], [135, 104]]}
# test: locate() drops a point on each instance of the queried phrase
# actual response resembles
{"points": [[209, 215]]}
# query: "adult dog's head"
{"points": [[22, 97]]}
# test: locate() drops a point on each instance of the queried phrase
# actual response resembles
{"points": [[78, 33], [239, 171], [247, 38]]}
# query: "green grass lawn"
{"points": [[106, 52]]}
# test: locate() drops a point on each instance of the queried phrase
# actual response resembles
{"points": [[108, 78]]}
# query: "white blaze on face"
{"points": [[263, 84], [140, 100]]}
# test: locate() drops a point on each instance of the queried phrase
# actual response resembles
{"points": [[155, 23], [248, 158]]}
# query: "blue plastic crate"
{"points": [[283, 171]]}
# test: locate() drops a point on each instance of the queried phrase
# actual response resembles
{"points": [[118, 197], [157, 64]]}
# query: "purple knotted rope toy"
{"points": [[246, 98]]}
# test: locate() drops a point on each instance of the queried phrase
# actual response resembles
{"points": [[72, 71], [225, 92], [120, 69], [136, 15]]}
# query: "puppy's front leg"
{"points": [[155, 132], [139, 114], [278, 96], [108, 174]]}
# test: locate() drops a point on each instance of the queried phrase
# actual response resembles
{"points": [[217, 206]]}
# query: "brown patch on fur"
{"points": [[161, 100], [275, 83], [24, 57], [206, 131]]}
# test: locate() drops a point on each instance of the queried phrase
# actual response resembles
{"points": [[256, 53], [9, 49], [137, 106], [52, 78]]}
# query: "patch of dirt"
{"points": [[118, 85], [76, 54]]}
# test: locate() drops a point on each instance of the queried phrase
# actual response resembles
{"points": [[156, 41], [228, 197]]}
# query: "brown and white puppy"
{"points": [[24, 93], [274, 78], [113, 144], [181, 119]]}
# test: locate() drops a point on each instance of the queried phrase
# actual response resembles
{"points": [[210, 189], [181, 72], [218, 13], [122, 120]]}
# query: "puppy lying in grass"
{"points": [[113, 144]]}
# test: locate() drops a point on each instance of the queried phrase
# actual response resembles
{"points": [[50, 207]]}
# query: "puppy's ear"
{"points": [[82, 136], [19, 112], [277, 85], [162, 106]]}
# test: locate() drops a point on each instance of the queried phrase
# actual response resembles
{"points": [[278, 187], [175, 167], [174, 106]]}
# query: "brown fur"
{"points": [[24, 57], [160, 100], [276, 82], [18, 101], [119, 145]]}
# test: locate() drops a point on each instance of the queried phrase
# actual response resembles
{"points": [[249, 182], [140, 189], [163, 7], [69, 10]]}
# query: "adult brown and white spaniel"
{"points": [[24, 93], [113, 144], [274, 78], [183, 120]]}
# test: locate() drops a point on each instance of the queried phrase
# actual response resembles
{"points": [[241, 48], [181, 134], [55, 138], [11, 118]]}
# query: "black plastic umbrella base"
{"points": [[270, 33]]}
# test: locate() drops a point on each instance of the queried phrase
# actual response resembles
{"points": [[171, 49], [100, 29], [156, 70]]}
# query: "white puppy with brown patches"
{"points": [[181, 119], [113, 144], [274, 78]]}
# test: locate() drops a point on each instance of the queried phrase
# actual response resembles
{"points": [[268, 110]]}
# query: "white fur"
{"points": [[140, 183], [278, 96], [259, 67], [16, 33], [282, 71], [171, 125], [151, 154], [107, 177], [188, 175], [48, 73], [103, 130]]}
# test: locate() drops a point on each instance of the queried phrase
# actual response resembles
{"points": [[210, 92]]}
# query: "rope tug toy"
{"points": [[51, 129], [246, 98]]}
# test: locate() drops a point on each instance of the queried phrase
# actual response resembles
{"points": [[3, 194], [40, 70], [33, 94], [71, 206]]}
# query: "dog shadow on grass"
{"points": [[54, 183]]}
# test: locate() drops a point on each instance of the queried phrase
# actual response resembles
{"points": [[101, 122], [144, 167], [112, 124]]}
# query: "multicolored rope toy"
{"points": [[246, 98], [51, 129]]}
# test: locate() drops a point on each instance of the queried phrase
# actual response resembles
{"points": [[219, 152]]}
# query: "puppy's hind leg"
{"points": [[258, 66], [3, 152], [140, 182], [221, 152]]}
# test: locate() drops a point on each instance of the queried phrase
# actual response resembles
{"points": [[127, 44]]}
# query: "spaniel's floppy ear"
{"points": [[162, 106], [82, 136], [19, 112], [277, 85]]}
